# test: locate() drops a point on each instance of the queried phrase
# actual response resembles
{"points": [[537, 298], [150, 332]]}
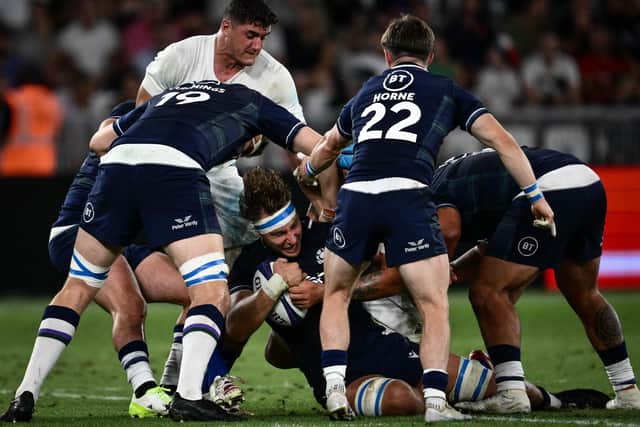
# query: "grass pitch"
{"points": [[89, 388]]}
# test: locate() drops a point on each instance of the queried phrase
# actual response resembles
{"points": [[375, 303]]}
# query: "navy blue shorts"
{"points": [[389, 355], [405, 221], [167, 203], [61, 248], [579, 215]]}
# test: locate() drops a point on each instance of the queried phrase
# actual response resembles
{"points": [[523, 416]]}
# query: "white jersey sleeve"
{"points": [[180, 62]]}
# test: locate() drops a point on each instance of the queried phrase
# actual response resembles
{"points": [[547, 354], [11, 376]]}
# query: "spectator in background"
{"points": [[89, 40], [310, 56], [550, 76], [80, 117], [470, 35], [603, 70], [498, 85], [36, 116], [526, 24]]}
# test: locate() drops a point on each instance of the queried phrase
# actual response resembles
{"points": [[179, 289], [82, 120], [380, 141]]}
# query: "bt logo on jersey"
{"points": [[397, 80]]}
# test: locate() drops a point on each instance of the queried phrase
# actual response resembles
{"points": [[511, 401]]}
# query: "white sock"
{"points": [[509, 376], [200, 337], [620, 375], [334, 376], [172, 365], [56, 330], [134, 358]]}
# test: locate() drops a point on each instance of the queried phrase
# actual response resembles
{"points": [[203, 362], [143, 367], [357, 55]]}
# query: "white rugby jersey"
{"points": [[192, 59]]}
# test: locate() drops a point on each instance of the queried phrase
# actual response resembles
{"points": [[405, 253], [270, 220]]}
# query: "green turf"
{"points": [[88, 387]]}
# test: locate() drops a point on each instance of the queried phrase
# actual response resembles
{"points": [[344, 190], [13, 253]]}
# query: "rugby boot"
{"points": [[625, 399], [226, 393], [582, 398], [20, 409], [439, 410], [199, 410], [504, 402], [338, 406], [154, 403]]}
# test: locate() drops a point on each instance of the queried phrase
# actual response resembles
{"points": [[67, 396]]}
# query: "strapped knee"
{"points": [[369, 396], [471, 383], [89, 273], [205, 268]]}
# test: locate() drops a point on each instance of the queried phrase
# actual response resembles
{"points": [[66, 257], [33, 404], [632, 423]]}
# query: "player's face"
{"points": [[245, 42], [285, 240]]}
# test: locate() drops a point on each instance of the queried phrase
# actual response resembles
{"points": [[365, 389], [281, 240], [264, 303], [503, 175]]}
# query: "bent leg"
{"points": [[375, 396], [89, 269], [493, 294], [578, 283]]}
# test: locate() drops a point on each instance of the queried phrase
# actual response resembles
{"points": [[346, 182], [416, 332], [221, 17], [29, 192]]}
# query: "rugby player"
{"points": [[477, 199], [161, 153], [398, 121], [384, 371]]}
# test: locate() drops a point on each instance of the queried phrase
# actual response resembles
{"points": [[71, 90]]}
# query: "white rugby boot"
{"points": [[338, 405], [625, 399], [439, 410], [504, 402]]}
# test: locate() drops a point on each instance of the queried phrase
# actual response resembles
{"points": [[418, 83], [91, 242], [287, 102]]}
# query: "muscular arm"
{"points": [[248, 311], [491, 133], [142, 96], [451, 227], [102, 139], [378, 284]]}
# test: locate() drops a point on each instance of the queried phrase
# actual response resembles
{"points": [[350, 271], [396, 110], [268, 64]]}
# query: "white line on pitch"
{"points": [[557, 421]]}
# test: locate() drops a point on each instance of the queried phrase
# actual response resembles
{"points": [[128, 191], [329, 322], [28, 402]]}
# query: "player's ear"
{"points": [[387, 57], [430, 59]]}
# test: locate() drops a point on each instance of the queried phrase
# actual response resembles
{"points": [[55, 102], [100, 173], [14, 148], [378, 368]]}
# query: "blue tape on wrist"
{"points": [[309, 169], [536, 198], [530, 188]]}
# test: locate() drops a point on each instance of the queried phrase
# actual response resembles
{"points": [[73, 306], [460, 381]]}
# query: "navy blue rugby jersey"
{"points": [[479, 186], [199, 125], [76, 197], [399, 119], [303, 339]]}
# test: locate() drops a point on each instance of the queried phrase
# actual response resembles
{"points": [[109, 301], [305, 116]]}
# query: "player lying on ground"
{"points": [[477, 199], [164, 149], [279, 280]]}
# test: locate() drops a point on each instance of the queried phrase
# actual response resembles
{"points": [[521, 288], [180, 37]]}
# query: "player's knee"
{"points": [[471, 382], [91, 274], [205, 268], [378, 396]]}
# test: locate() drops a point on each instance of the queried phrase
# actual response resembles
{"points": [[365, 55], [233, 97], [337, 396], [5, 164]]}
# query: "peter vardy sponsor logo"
{"points": [[416, 246], [184, 222]]}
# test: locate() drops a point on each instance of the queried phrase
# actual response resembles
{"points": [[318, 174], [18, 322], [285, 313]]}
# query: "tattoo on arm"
{"points": [[607, 326], [368, 287]]}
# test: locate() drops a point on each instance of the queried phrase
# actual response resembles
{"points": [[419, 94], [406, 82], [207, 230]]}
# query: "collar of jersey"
{"points": [[408, 64]]}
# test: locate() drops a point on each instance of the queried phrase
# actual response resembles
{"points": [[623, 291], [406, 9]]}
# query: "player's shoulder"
{"points": [[192, 46], [268, 67]]}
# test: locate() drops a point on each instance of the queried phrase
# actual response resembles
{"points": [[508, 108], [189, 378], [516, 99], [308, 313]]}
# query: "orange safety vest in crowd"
{"points": [[36, 117]]}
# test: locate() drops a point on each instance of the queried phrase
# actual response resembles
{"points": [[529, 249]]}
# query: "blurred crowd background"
{"points": [[561, 74]]}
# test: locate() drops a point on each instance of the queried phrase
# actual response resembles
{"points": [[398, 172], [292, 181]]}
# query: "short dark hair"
{"points": [[264, 193], [408, 36], [250, 12]]}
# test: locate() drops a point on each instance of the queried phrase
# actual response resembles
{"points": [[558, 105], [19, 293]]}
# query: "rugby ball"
{"points": [[284, 313]]}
